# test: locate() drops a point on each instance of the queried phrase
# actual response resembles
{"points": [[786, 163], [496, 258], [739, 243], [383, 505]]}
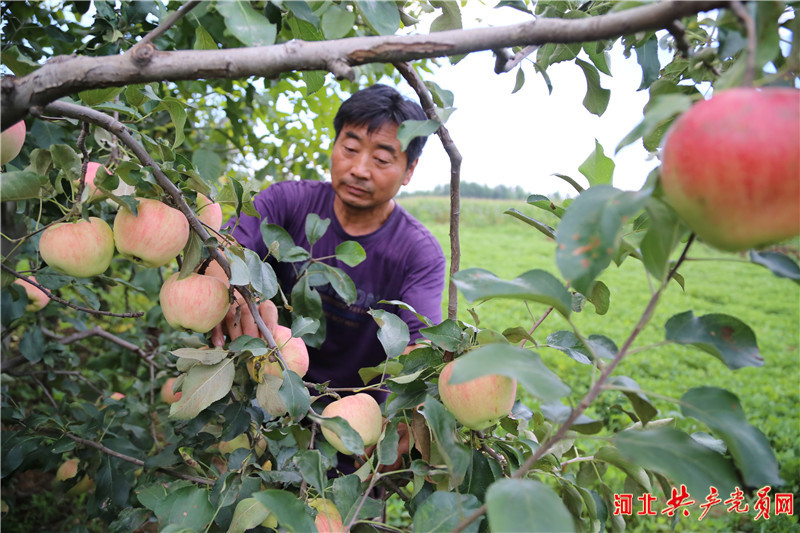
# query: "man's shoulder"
{"points": [[415, 233], [296, 188]]}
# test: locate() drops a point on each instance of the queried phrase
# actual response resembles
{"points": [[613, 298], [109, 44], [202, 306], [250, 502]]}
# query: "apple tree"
{"points": [[179, 112]]}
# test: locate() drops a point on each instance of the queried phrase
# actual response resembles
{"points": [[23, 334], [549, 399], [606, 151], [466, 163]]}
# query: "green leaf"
{"points": [[383, 17], [388, 443], [21, 185], [208, 165], [535, 285], [203, 40], [543, 228], [261, 275], [612, 456], [392, 332], [203, 385], [778, 263], [295, 395], [443, 425], [721, 411], [520, 81], [351, 253], [277, 240], [249, 513], [186, 507], [675, 454], [568, 342], [663, 234], [247, 24], [192, 255], [410, 129], [349, 436], [596, 99], [177, 113], [513, 502], [337, 22], [442, 511], [658, 112], [507, 360], [97, 96], [309, 462], [544, 203], [450, 19], [647, 57], [204, 356], [591, 231], [288, 508], [600, 297], [316, 227], [341, 283], [725, 337], [641, 405], [598, 168], [240, 273], [447, 335]]}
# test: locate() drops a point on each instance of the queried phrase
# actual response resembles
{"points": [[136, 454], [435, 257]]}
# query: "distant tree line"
{"points": [[476, 190]]}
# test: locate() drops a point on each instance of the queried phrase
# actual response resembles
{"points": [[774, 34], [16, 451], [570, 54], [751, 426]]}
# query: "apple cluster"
{"points": [[152, 238]]}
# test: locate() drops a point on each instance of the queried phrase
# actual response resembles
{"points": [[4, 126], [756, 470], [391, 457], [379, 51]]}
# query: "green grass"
{"points": [[730, 284]]}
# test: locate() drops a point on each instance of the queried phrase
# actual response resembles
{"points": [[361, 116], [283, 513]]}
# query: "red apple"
{"points": [[209, 213], [11, 141], [480, 402], [196, 303], [168, 395], [731, 167], [118, 396], [293, 350], [91, 173], [363, 414], [37, 298], [154, 237], [328, 519], [81, 249]]}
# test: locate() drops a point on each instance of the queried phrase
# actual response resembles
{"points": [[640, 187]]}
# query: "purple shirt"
{"points": [[404, 262]]}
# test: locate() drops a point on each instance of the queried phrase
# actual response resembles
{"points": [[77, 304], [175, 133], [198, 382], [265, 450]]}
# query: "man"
{"points": [[403, 260]]}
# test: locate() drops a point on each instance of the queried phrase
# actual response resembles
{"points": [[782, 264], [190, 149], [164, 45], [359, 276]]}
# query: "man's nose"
{"points": [[361, 166]]}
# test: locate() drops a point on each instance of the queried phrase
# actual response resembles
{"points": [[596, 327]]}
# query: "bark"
{"points": [[65, 75]]}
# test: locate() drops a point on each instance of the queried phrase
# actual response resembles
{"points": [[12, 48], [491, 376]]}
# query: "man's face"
{"points": [[367, 169]]}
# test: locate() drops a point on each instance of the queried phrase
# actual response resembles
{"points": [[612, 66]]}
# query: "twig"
{"points": [[416, 82], [46, 392], [99, 332], [678, 32], [594, 391], [162, 28], [85, 159], [752, 43], [128, 458], [65, 302], [505, 62]]}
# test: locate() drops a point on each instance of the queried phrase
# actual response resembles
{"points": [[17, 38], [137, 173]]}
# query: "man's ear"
{"points": [[410, 172]]}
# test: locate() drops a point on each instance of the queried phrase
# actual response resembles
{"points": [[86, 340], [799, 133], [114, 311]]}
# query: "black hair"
{"points": [[376, 106]]}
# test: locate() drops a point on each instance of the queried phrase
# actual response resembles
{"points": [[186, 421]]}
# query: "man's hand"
{"points": [[239, 321]]}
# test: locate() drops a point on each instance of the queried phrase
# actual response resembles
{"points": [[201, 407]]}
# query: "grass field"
{"points": [[730, 284]]}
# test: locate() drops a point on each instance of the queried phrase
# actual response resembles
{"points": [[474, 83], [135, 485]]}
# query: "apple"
{"points": [[67, 470], [731, 167], [11, 141], [480, 402], [37, 298], [81, 249], [293, 350], [328, 519], [84, 485], [196, 303], [93, 193], [168, 394], [363, 414], [209, 212], [116, 396], [214, 269], [152, 238], [242, 441]]}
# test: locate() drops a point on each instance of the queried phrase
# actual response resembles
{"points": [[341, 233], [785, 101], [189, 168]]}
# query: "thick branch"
{"points": [[65, 75], [419, 87]]}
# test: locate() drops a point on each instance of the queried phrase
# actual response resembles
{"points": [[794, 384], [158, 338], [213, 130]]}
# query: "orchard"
{"points": [[132, 131]]}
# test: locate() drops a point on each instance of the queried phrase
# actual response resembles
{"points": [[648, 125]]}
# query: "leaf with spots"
{"points": [[725, 337], [591, 231]]}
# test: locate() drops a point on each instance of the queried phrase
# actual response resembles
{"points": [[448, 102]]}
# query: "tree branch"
{"points": [[65, 302], [65, 75], [162, 28], [416, 82], [97, 331]]}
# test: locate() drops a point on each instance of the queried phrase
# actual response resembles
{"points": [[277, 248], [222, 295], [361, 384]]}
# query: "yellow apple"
{"points": [[81, 249], [153, 237], [37, 298], [480, 402], [196, 303], [11, 141], [363, 414]]}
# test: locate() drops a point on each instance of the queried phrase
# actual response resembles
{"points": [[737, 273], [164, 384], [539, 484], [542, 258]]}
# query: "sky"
{"points": [[526, 137]]}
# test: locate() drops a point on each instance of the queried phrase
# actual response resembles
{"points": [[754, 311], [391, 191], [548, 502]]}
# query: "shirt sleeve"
{"points": [[423, 287]]}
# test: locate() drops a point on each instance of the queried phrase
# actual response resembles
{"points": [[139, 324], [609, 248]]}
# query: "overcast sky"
{"points": [[525, 137]]}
